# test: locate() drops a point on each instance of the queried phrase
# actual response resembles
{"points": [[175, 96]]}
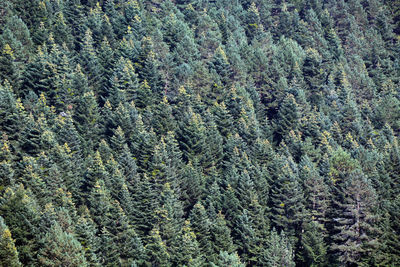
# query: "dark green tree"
{"points": [[156, 250], [8, 251], [61, 249], [278, 252]]}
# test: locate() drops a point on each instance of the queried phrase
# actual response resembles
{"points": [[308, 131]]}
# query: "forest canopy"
{"points": [[199, 133]]}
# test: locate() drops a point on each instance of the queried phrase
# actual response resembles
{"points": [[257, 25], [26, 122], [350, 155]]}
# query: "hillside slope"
{"points": [[199, 133]]}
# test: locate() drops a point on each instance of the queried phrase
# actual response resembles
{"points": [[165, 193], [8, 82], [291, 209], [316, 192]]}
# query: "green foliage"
{"points": [[226, 259], [156, 250], [60, 248], [288, 116], [315, 248], [278, 252], [354, 224], [179, 133], [8, 251]]}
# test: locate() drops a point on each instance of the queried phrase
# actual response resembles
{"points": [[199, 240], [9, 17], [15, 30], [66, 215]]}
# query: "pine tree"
{"points": [[12, 113], [142, 144], [62, 33], [316, 192], [61, 249], [144, 203], [100, 205], [287, 200], [389, 240], [169, 217], [8, 68], [87, 118], [95, 171], [315, 247], [187, 251], [124, 83], [128, 166], [107, 60], [156, 250], [288, 115], [226, 259], [162, 118], [8, 251], [86, 234], [354, 222], [221, 236], [312, 75], [247, 240], [108, 251], [192, 185], [191, 136], [201, 227], [90, 61], [279, 251], [6, 164], [18, 209]]}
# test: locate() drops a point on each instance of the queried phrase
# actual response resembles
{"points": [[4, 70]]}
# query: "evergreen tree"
{"points": [[279, 251], [18, 209], [312, 74], [221, 235], [354, 224], [8, 251], [287, 199], [187, 252], [90, 61], [315, 247], [226, 259], [86, 234], [191, 136], [156, 250], [61, 249], [201, 226], [288, 116]]}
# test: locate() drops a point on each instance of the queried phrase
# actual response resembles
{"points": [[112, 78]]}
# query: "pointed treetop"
{"points": [[221, 52], [253, 8], [8, 51], [107, 104]]}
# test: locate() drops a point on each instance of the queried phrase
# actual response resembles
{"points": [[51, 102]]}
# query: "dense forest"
{"points": [[199, 133]]}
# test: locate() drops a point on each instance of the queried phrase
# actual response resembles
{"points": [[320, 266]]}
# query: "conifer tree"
{"points": [[354, 224], [201, 226], [156, 250], [18, 209], [288, 115], [86, 234], [191, 136], [221, 235], [61, 249], [287, 200], [315, 247], [90, 61], [192, 185], [124, 83], [187, 251], [8, 251], [226, 259], [144, 203], [8, 68], [316, 192], [108, 250], [279, 250], [313, 76], [246, 239]]}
